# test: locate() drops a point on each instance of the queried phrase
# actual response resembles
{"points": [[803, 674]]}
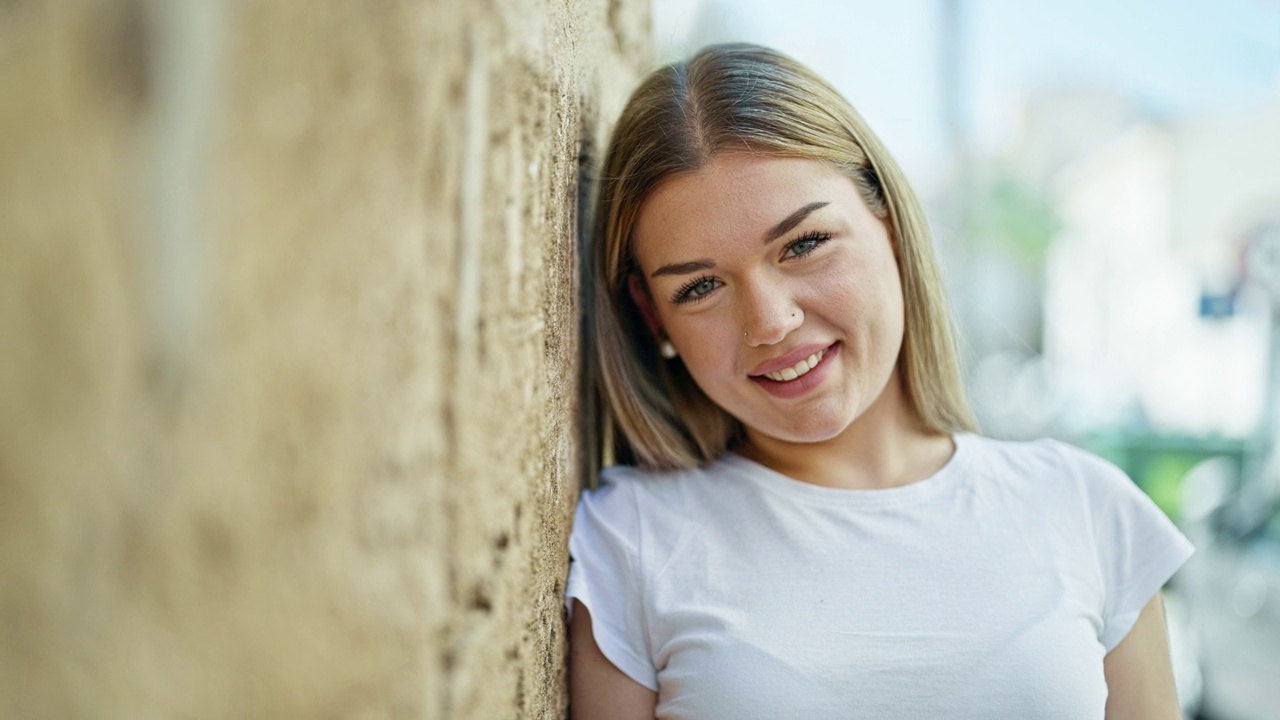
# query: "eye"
{"points": [[805, 245], [695, 290]]}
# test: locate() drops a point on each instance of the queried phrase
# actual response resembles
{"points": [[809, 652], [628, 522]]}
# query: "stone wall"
{"points": [[287, 351]]}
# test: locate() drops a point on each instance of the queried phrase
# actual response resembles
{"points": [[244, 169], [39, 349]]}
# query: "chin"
{"points": [[809, 433]]}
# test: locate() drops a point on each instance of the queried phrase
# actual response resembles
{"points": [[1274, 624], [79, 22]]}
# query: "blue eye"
{"points": [[695, 290], [805, 245]]}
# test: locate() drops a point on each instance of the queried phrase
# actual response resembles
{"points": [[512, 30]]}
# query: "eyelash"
{"points": [[818, 238], [685, 293]]}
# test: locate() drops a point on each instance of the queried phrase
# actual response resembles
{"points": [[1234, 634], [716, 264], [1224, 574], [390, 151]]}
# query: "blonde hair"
{"points": [[641, 409]]}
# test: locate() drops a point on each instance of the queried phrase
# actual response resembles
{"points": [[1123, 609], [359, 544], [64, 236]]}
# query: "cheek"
{"points": [[858, 296], [851, 289], [707, 344]]}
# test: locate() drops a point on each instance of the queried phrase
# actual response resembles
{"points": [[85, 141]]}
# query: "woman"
{"points": [[805, 523]]}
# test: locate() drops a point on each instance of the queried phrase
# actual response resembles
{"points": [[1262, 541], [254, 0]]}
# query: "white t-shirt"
{"points": [[992, 589]]}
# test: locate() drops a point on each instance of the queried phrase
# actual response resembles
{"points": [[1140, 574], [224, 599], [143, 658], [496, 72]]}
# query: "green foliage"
{"points": [[1162, 480]]}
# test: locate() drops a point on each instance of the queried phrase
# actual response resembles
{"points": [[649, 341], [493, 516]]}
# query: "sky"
{"points": [[1176, 59]]}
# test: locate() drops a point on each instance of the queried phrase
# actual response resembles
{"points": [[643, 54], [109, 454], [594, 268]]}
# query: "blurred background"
{"points": [[1103, 181]]}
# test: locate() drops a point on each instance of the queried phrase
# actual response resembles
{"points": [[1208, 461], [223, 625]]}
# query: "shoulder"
{"points": [[1042, 455], [1050, 463], [643, 485], [1100, 480], [629, 493], [637, 517]]}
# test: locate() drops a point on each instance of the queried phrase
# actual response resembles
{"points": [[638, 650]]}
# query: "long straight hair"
{"points": [[643, 410]]}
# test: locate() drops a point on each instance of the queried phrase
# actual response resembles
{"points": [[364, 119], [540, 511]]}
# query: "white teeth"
{"points": [[797, 370]]}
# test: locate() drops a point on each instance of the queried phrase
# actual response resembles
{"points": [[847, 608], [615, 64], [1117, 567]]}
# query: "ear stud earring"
{"points": [[667, 350]]}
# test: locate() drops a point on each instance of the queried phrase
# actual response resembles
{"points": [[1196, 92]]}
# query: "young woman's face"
{"points": [[779, 289]]}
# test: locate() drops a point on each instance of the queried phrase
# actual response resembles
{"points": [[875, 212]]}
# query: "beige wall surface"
{"points": [[287, 351]]}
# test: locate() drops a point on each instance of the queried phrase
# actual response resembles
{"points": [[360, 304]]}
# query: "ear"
{"points": [[644, 303]]}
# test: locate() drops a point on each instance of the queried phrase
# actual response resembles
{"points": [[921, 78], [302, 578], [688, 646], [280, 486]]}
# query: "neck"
{"points": [[886, 446]]}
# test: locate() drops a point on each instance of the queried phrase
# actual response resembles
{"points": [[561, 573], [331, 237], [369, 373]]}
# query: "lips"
{"points": [[800, 369], [802, 383], [790, 360]]}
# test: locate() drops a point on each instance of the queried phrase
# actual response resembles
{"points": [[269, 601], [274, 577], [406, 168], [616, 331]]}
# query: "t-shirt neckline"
{"points": [[918, 491]]}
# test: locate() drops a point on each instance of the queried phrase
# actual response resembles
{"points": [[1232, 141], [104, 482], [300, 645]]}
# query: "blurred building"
{"points": [[1149, 319]]}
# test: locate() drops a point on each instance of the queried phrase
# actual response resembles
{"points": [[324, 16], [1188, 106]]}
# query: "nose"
{"points": [[768, 312]]}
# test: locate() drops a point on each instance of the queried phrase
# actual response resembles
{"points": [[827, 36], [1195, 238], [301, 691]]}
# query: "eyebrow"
{"points": [[778, 231], [683, 268], [792, 220]]}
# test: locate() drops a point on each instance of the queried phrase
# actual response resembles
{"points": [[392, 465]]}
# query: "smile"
{"points": [[798, 370], [803, 376]]}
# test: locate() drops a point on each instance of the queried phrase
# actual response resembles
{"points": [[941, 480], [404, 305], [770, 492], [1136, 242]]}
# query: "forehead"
{"points": [[733, 196]]}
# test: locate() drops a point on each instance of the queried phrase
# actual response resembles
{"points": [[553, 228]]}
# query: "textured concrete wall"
{"points": [[287, 347]]}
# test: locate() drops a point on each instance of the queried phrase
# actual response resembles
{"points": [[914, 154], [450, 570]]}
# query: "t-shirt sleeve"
{"points": [[1138, 547], [605, 576]]}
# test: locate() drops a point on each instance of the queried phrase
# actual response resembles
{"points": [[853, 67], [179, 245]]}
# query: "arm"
{"points": [[597, 689], [1139, 672]]}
